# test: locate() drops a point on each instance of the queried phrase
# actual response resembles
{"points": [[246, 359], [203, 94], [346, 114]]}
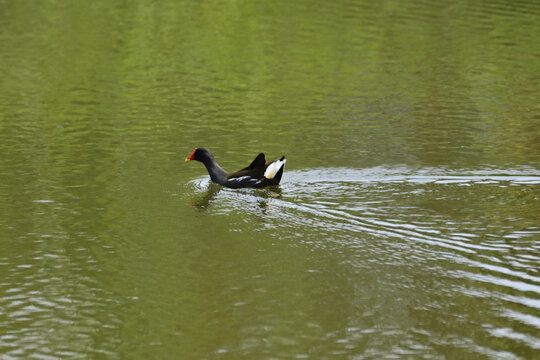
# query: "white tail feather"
{"points": [[273, 168]]}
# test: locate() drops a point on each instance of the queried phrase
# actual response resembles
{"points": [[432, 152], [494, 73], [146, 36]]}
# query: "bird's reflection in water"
{"points": [[261, 197], [265, 197], [203, 200], [271, 192]]}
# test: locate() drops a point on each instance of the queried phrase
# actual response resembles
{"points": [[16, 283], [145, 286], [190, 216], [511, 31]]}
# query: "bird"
{"points": [[257, 175]]}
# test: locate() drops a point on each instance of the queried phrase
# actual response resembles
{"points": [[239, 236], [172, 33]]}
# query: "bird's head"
{"points": [[200, 154]]}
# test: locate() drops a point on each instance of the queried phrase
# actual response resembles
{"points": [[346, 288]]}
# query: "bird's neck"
{"points": [[217, 174]]}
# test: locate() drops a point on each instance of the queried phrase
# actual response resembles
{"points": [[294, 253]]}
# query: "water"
{"points": [[393, 252], [406, 224]]}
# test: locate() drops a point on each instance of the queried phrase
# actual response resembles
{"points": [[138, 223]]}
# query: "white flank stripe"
{"points": [[273, 168]]}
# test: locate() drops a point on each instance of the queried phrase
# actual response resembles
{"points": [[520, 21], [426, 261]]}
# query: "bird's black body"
{"points": [[258, 174]]}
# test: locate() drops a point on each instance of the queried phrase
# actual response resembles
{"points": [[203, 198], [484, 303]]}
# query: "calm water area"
{"points": [[406, 225]]}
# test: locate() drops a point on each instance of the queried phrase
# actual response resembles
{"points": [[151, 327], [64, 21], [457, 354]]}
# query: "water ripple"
{"points": [[400, 213]]}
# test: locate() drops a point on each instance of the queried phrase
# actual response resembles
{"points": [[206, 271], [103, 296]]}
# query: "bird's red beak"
{"points": [[192, 156]]}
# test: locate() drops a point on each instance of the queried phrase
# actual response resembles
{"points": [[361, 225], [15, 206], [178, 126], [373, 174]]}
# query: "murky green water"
{"points": [[407, 224]]}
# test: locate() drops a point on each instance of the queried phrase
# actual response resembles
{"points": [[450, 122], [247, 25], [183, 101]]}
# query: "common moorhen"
{"points": [[258, 174]]}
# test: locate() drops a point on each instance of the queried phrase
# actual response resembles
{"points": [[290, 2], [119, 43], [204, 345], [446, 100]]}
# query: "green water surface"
{"points": [[407, 223]]}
